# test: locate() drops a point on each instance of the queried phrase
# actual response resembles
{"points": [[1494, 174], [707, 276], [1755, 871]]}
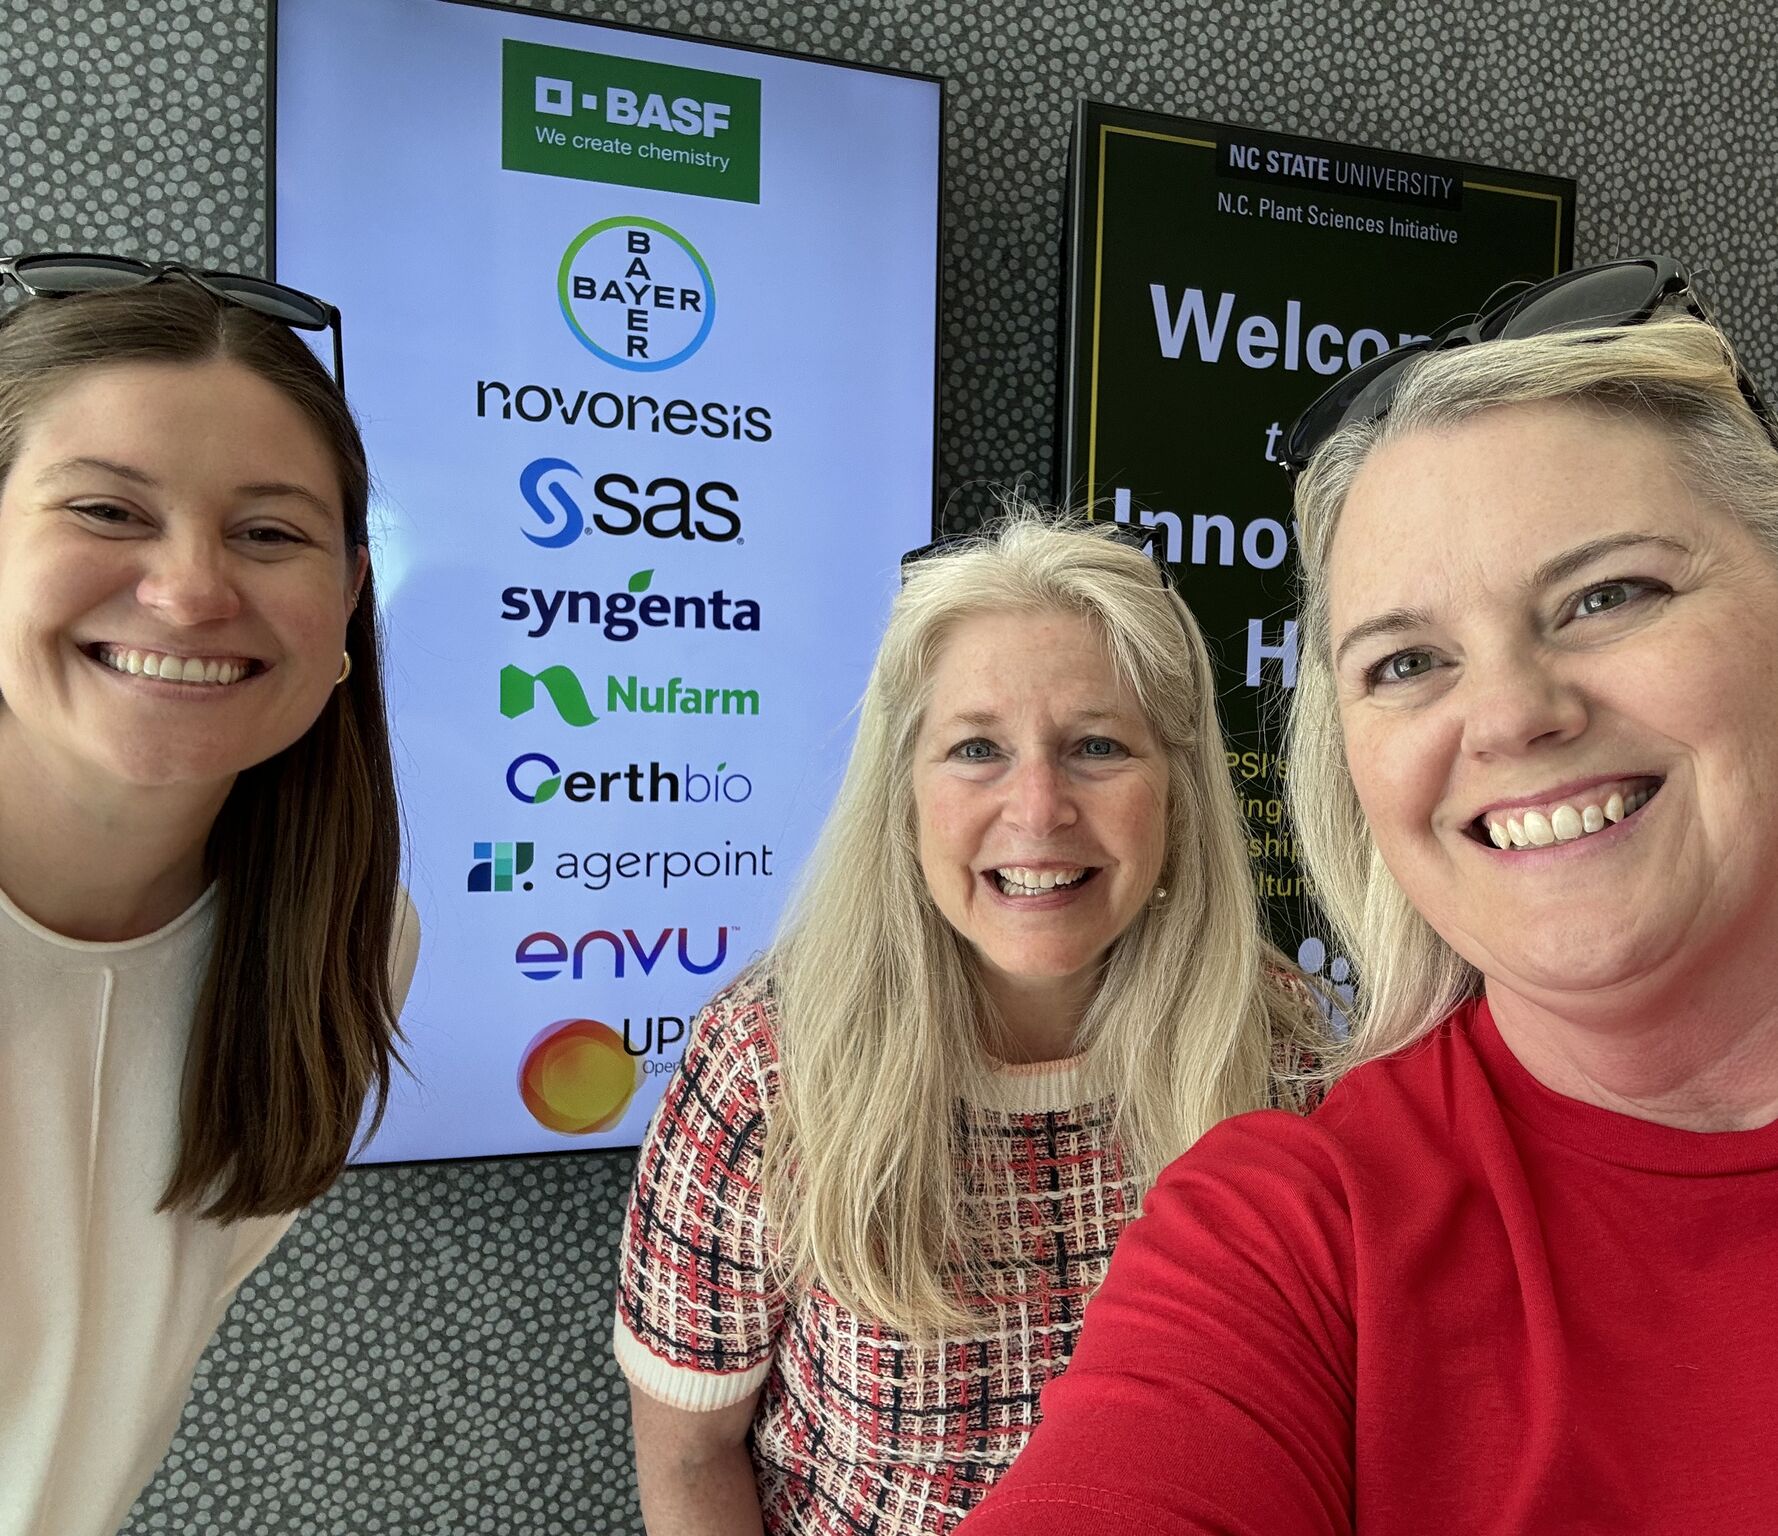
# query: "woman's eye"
{"points": [[1402, 667], [1611, 594], [271, 537], [1099, 746], [105, 513], [974, 750]]}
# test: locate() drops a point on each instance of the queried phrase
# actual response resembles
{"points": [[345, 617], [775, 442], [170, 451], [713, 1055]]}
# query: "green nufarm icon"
{"points": [[632, 122]]}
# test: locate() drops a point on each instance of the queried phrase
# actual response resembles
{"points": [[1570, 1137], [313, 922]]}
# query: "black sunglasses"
{"points": [[1612, 293], [1139, 539], [62, 275]]}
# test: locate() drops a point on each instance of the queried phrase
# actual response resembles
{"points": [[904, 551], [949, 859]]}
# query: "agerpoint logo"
{"points": [[497, 865], [636, 294], [577, 1077]]}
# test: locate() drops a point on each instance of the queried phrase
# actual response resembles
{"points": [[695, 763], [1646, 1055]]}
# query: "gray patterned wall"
{"points": [[426, 1351]]}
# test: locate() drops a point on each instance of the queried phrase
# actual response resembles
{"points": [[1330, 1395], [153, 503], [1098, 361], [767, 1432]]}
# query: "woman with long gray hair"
{"points": [[1025, 971], [1512, 1275], [203, 945]]}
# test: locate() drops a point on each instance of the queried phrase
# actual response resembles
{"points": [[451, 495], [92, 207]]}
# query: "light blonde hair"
{"points": [[1678, 376], [883, 1020]]}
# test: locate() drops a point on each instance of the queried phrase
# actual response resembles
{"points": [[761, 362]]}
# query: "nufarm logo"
{"points": [[623, 695], [636, 294], [630, 122], [577, 1077]]}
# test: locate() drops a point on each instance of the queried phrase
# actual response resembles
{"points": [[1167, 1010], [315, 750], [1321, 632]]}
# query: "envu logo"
{"points": [[542, 956], [498, 864], [636, 294], [666, 508]]}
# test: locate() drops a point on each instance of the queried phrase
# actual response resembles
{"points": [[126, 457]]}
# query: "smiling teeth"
{"points": [[210, 672], [1019, 881], [1565, 823]]}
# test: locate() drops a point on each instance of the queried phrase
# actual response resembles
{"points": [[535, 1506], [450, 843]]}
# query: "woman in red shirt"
{"points": [[1511, 1276]]}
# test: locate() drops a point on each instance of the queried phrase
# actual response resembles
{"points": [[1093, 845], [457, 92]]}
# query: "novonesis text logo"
{"points": [[625, 695], [578, 1076], [634, 122], [543, 956], [636, 293], [536, 777], [667, 508], [628, 413], [498, 864], [665, 866], [621, 616]]}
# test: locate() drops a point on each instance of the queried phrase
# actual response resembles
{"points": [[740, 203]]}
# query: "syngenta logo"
{"points": [[623, 695], [636, 294], [621, 616], [630, 122], [497, 865], [666, 508], [536, 778], [544, 956]]}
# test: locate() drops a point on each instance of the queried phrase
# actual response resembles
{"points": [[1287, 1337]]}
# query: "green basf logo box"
{"points": [[600, 117]]}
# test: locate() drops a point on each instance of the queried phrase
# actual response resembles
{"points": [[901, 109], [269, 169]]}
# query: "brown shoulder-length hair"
{"points": [[295, 1023]]}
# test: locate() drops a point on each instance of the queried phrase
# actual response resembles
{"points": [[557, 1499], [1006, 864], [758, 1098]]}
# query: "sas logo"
{"points": [[623, 695], [665, 508], [498, 865], [636, 294], [577, 1077], [543, 956], [630, 122]]}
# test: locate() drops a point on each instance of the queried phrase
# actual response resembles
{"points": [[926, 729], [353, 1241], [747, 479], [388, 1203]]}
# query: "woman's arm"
{"points": [[1212, 1390], [693, 1470]]}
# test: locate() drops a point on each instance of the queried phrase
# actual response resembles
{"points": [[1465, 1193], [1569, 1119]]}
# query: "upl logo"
{"points": [[497, 865], [636, 294]]}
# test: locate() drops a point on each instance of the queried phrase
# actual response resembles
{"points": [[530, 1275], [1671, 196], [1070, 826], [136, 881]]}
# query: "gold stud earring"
{"points": [[345, 668]]}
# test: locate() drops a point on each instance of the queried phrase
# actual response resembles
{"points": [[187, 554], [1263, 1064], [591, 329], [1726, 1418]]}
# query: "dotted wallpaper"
{"points": [[427, 1350]]}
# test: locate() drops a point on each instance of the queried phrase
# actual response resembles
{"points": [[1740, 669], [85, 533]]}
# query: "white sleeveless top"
{"points": [[105, 1305]]}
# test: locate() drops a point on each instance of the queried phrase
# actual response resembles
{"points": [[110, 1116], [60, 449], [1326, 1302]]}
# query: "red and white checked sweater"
{"points": [[858, 1429]]}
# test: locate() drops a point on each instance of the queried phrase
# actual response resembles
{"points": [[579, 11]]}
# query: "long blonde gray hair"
{"points": [[884, 1024], [1678, 376]]}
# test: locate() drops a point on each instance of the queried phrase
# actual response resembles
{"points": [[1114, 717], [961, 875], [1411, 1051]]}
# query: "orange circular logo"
{"points": [[577, 1078]]}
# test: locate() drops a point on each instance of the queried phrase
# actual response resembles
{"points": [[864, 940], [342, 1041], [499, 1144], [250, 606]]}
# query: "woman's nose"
{"points": [[1041, 798], [1518, 700], [187, 581]]}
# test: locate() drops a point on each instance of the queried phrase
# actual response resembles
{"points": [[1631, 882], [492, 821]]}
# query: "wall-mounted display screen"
{"points": [[642, 333]]}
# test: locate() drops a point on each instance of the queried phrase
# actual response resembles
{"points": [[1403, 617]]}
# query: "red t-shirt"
{"points": [[1449, 1302]]}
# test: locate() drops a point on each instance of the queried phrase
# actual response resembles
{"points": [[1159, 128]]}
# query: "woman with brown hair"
{"points": [[203, 945]]}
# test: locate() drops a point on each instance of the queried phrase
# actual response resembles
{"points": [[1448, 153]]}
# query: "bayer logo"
{"points": [[636, 294]]}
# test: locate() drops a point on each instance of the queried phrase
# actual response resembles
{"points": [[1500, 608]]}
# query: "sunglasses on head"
{"points": [[1612, 293], [1139, 539], [61, 275]]}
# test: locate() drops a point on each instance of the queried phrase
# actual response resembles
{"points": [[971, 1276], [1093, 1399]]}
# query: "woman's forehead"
{"points": [[1504, 489]]}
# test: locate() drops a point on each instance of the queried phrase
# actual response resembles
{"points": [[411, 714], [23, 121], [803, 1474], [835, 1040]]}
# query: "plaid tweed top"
{"points": [[858, 1430]]}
